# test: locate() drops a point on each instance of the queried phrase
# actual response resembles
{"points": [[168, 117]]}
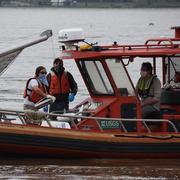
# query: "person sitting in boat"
{"points": [[149, 90], [36, 89], [61, 85], [174, 83]]}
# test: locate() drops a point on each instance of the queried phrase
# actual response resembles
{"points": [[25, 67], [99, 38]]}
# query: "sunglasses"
{"points": [[43, 72]]}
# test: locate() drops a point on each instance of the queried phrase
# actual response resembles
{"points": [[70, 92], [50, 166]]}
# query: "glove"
{"points": [[51, 97], [71, 97], [45, 108]]}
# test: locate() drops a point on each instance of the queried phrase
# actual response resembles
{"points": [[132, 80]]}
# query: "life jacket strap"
{"points": [[27, 89]]}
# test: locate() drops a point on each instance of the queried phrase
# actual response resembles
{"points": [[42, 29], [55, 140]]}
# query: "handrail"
{"points": [[134, 46], [137, 47], [159, 41], [117, 119], [13, 112]]}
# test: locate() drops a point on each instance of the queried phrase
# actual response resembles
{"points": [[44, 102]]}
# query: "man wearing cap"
{"points": [[61, 85], [149, 90]]}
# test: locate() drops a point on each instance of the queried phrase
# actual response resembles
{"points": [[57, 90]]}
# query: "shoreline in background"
{"points": [[76, 4], [92, 7]]}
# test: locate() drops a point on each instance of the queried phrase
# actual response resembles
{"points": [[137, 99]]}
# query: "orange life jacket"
{"points": [[34, 96], [59, 85]]}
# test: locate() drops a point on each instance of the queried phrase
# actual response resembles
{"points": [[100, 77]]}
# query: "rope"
{"points": [[34, 117], [161, 137]]}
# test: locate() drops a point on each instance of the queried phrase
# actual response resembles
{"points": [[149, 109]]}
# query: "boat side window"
{"points": [[96, 77], [120, 76], [173, 65]]}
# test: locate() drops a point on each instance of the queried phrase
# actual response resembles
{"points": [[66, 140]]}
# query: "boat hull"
{"points": [[50, 142]]}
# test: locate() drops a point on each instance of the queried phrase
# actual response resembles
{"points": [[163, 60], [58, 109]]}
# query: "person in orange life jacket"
{"points": [[61, 85], [36, 89], [149, 90]]}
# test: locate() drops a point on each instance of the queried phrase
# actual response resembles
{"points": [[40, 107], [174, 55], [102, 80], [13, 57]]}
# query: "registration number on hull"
{"points": [[109, 124]]}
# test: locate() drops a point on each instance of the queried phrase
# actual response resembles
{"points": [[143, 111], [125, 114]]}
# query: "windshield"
{"points": [[96, 77], [120, 76]]}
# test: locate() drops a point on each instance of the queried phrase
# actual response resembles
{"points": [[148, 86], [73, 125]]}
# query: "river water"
{"points": [[126, 26]]}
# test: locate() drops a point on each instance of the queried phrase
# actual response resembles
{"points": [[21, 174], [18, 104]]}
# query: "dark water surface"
{"points": [[158, 169], [124, 26]]}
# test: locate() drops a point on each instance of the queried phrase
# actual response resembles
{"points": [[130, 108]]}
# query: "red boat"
{"points": [[108, 124]]}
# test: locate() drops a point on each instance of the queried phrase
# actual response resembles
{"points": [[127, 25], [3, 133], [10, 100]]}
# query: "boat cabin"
{"points": [[112, 92]]}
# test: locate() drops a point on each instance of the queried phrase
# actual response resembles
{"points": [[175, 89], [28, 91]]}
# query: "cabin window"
{"points": [[120, 76], [172, 66], [96, 77]]}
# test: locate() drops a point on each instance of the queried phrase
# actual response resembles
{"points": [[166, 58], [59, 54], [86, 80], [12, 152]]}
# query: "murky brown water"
{"points": [[129, 169]]}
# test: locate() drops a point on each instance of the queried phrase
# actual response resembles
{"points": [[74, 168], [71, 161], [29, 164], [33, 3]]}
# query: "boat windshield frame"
{"points": [[128, 88], [106, 72], [94, 70]]}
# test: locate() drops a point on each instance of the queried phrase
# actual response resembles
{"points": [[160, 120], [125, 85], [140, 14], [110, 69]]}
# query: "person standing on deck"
{"points": [[61, 85], [149, 90], [36, 89]]}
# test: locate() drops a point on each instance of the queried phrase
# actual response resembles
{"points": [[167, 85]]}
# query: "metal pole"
{"points": [[47, 34]]}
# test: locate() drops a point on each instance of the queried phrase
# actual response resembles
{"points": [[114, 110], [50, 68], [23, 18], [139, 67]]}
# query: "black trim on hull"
{"points": [[88, 145]]}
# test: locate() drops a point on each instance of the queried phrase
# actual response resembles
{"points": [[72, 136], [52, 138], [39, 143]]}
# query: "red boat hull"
{"points": [[50, 142]]}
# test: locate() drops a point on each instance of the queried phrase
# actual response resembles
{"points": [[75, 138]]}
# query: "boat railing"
{"points": [[159, 41], [150, 43], [76, 118]]}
